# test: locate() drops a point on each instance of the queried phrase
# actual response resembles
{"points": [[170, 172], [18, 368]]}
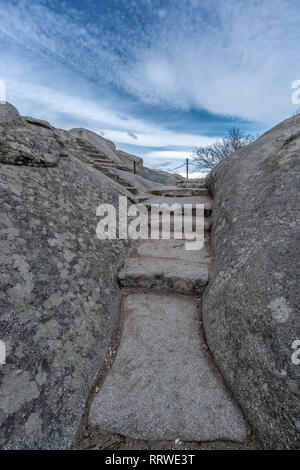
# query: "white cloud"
{"points": [[234, 58], [160, 73], [196, 174], [51, 104], [158, 139], [55, 102], [241, 63], [171, 154]]}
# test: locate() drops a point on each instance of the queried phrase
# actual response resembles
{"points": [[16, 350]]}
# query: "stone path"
{"points": [[163, 384], [97, 158]]}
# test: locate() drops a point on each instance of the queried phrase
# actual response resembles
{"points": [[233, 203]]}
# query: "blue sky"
{"points": [[158, 77]]}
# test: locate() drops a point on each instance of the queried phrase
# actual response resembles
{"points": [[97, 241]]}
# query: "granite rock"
{"points": [[58, 292], [251, 307]]}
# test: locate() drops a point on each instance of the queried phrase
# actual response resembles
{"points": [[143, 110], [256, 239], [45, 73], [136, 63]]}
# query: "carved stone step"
{"points": [[164, 275], [104, 163]]}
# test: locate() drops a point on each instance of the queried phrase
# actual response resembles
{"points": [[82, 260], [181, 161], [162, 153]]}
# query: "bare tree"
{"points": [[211, 155]]}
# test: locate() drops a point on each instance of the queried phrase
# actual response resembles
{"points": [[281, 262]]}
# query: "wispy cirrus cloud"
{"points": [[163, 138], [171, 154], [114, 62], [233, 58], [94, 113]]}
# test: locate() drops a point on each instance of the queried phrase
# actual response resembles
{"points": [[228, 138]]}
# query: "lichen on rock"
{"points": [[251, 308], [58, 292]]}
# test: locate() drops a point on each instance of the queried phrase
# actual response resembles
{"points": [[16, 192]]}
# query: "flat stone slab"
{"points": [[161, 386], [165, 275], [172, 249]]}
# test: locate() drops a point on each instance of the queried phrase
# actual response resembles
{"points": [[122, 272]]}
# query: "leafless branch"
{"points": [[211, 155]]}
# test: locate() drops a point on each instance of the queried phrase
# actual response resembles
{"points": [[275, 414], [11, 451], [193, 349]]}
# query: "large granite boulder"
{"points": [[58, 292], [24, 143], [251, 308]]}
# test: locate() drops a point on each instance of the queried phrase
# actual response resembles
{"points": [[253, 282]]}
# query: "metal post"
{"points": [[187, 168], [134, 167]]}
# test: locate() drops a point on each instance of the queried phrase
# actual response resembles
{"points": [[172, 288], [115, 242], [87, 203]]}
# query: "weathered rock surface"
{"points": [[161, 384], [19, 144], [38, 122], [9, 113], [251, 308], [58, 293]]}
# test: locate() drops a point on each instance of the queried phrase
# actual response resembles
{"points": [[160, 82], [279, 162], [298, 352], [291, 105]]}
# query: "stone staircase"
{"points": [[90, 154], [165, 265], [163, 384], [168, 274], [87, 153], [129, 187]]}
